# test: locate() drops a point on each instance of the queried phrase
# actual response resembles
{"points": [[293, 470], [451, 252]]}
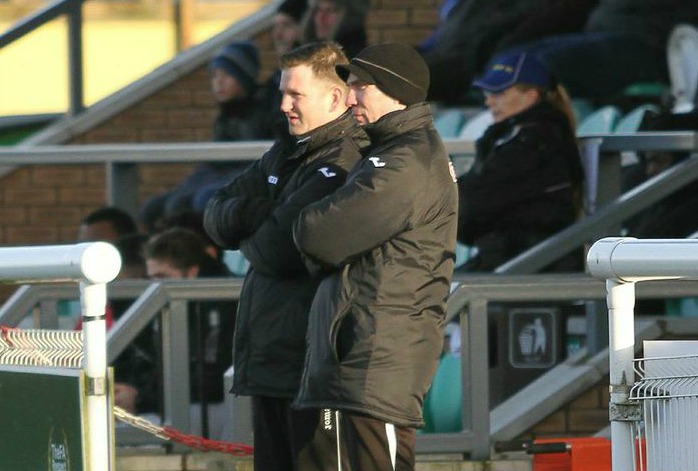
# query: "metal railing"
{"points": [[470, 302], [601, 152], [121, 162]]}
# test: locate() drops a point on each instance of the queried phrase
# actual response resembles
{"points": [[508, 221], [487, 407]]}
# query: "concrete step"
{"points": [[139, 459]]}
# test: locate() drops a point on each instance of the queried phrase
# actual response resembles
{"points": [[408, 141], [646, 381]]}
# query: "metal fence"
{"points": [[470, 300]]}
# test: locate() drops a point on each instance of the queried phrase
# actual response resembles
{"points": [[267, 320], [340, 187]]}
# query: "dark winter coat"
{"points": [[375, 330], [521, 188], [254, 213]]}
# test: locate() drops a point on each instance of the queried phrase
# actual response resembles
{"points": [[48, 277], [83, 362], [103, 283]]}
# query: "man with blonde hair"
{"points": [[254, 214]]}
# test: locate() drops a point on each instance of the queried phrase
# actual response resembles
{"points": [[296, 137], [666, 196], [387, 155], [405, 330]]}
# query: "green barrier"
{"points": [[13, 135], [42, 412]]}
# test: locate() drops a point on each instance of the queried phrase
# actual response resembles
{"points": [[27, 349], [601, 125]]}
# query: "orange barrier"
{"points": [[571, 454]]}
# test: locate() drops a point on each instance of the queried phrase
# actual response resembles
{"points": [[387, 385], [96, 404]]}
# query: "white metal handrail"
{"points": [[93, 265], [623, 262]]}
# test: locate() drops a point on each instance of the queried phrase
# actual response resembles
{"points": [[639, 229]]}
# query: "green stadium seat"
{"points": [[443, 409], [601, 121], [581, 108], [449, 122], [630, 122], [475, 127], [646, 89]]}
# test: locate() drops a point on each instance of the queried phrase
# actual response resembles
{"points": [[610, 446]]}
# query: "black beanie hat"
{"points": [[396, 69], [240, 60], [293, 8]]}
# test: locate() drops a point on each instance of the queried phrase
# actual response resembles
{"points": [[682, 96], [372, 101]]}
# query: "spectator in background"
{"points": [[106, 224], [286, 26], [675, 215], [254, 213], [622, 42], [287, 34], [470, 31], [179, 253], [525, 183], [342, 21], [130, 247], [193, 221], [234, 70]]}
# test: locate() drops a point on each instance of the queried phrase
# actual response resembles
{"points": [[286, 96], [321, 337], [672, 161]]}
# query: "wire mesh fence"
{"points": [[667, 391]]}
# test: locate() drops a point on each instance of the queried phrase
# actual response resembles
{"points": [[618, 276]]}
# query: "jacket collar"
{"points": [[319, 137], [399, 122]]}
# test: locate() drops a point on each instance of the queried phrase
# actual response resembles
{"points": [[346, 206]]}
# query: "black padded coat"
{"points": [[523, 187], [255, 213], [375, 329]]}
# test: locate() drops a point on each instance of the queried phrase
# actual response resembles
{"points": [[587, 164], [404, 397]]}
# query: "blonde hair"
{"points": [[560, 99], [322, 57]]}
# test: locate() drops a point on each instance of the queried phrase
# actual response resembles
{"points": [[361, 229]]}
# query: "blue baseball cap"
{"points": [[508, 69]]}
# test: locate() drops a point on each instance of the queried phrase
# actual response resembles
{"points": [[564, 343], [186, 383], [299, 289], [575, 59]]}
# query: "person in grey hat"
{"points": [[386, 241]]}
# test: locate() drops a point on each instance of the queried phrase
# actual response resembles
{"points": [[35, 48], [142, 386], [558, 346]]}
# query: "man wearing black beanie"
{"points": [[387, 240]]}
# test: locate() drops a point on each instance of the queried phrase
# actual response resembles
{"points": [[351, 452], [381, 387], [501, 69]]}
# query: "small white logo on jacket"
{"points": [[273, 179], [376, 161], [327, 419], [327, 172]]}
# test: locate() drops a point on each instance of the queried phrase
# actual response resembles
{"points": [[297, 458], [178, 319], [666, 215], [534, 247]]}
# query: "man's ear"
{"points": [[339, 96]]}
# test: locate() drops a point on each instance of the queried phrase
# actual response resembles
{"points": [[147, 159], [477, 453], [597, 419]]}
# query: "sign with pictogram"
{"points": [[532, 339]]}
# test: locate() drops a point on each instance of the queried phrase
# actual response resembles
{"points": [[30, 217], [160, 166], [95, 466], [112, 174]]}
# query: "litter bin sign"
{"points": [[532, 338]]}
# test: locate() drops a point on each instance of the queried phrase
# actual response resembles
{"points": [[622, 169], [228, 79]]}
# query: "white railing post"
{"points": [[93, 265], [93, 297], [621, 345], [622, 262]]}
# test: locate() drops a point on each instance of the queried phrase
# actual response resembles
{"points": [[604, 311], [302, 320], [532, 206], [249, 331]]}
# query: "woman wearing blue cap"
{"points": [[525, 183]]}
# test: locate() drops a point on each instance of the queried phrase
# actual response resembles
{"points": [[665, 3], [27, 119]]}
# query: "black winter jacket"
{"points": [[375, 329], [521, 188], [254, 213]]}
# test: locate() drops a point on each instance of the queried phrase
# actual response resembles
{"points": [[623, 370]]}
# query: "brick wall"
{"points": [[44, 204], [583, 416]]}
